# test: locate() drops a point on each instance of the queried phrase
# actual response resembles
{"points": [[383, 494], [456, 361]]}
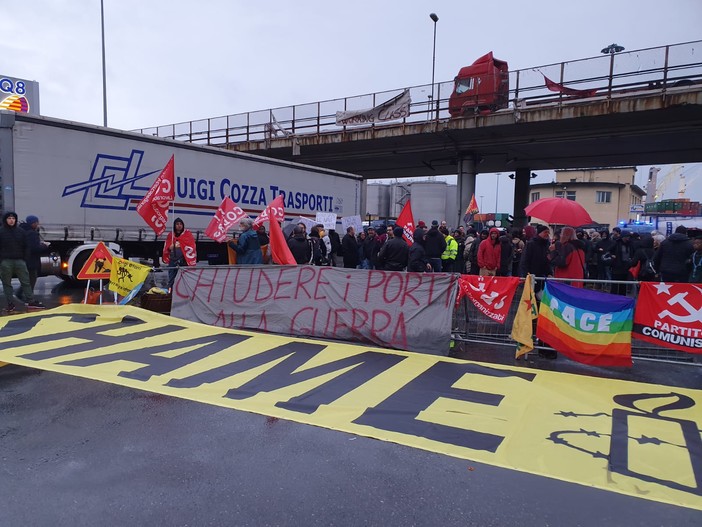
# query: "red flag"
{"points": [[406, 221], [554, 86], [669, 315], [280, 252], [471, 210], [154, 206], [228, 214], [492, 295], [275, 210]]}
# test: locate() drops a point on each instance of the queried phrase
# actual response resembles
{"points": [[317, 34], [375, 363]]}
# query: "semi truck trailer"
{"points": [[84, 183]]}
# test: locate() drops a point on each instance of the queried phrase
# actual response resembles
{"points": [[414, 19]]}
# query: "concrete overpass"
{"points": [[638, 116]]}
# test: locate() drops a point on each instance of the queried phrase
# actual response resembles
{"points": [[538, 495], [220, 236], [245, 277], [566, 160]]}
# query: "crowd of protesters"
{"points": [[615, 256]]}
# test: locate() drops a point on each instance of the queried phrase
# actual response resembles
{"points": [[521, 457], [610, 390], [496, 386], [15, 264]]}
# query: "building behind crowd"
{"points": [[608, 194]]}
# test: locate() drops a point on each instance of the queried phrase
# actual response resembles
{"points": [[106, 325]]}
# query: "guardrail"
{"points": [[470, 325], [645, 71]]}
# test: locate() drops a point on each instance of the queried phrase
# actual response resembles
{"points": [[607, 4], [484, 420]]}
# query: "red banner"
{"points": [[276, 210], [492, 295], [406, 221], [228, 214], [670, 315], [555, 86], [154, 206]]}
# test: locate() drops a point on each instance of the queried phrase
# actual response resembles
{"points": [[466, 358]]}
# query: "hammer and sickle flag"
{"points": [[127, 278]]}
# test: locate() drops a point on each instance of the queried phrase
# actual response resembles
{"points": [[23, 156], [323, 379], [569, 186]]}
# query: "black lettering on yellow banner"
{"points": [[416, 396], [610, 434], [158, 365]]}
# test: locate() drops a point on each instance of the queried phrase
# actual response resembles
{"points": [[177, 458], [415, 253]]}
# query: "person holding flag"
{"points": [[247, 246], [178, 250]]}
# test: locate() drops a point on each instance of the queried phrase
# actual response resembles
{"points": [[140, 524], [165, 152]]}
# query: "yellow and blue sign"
{"points": [[637, 439]]}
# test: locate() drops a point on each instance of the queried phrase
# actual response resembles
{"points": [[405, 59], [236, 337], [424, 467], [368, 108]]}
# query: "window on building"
{"points": [[535, 196], [603, 196], [568, 194]]}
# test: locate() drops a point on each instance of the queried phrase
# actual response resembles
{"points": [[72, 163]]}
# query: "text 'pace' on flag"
{"points": [[406, 221], [227, 216], [154, 205], [586, 326], [522, 330], [276, 210]]}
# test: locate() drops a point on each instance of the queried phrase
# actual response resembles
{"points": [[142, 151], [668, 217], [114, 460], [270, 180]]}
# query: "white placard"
{"points": [[328, 219], [308, 223], [351, 221]]}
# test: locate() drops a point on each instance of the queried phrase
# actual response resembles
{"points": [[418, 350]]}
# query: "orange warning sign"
{"points": [[98, 265]]}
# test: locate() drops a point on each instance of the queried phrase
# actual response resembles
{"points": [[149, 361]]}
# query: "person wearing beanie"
{"points": [[421, 225], [37, 248], [394, 253], [14, 253], [178, 250], [535, 256]]}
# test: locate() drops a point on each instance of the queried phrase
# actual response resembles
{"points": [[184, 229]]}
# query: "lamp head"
{"points": [[434, 17]]}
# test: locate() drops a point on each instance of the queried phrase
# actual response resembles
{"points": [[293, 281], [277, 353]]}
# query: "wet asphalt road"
{"points": [[79, 452]]}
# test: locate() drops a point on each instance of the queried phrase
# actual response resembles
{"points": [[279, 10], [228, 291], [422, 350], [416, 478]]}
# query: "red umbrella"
{"points": [[559, 210]]}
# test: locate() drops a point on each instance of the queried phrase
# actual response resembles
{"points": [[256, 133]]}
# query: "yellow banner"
{"points": [[632, 438], [125, 275]]}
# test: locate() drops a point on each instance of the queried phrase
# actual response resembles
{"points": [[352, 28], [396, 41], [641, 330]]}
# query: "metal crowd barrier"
{"points": [[470, 325]]}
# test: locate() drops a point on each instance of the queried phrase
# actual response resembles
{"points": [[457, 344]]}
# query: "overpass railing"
{"points": [[646, 71]]}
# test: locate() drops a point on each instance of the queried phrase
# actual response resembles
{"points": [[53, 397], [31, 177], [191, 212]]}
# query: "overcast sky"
{"points": [[171, 61]]}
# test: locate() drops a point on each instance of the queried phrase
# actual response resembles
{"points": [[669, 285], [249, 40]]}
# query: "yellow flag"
{"points": [[522, 331], [126, 275]]}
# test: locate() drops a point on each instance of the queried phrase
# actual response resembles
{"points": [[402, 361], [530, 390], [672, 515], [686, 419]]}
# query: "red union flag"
{"points": [[670, 315], [492, 295], [275, 210], [228, 214], [406, 221], [154, 206]]}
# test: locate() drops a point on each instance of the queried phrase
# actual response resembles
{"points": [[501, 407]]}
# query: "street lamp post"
{"points": [[433, 57], [104, 77]]}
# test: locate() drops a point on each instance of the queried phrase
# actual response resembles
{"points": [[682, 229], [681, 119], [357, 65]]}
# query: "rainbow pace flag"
{"points": [[586, 326]]}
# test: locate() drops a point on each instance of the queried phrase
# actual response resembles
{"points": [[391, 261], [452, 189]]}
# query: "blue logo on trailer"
{"points": [[112, 182]]}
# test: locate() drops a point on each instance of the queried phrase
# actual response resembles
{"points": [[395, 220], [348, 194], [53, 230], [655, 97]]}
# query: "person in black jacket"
{"points": [[417, 260], [535, 256], [349, 247], [642, 255], [621, 253], [336, 249], [394, 253], [299, 246], [671, 259], [434, 246], [37, 248], [14, 253]]}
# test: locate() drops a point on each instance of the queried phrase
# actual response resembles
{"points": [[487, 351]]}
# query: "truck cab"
{"points": [[481, 87]]}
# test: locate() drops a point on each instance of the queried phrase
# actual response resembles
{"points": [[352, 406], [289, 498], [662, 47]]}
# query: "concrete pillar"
{"points": [[465, 185], [522, 178]]}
